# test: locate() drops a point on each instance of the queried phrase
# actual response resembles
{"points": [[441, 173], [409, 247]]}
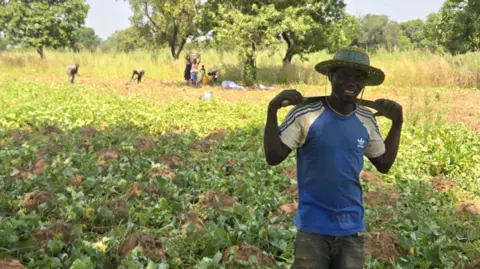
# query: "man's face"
{"points": [[347, 83]]}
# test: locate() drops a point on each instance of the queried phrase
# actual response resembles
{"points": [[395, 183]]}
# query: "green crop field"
{"points": [[94, 175]]}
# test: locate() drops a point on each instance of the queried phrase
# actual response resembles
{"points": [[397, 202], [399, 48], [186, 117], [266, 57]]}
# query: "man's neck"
{"points": [[340, 106]]}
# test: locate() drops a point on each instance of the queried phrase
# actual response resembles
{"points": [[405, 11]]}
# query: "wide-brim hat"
{"points": [[355, 58]]}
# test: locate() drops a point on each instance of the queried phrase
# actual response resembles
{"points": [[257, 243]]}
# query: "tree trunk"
{"points": [[180, 48], [40, 52], [249, 69], [289, 53]]}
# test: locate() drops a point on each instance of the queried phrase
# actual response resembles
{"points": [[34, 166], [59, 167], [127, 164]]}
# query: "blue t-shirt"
{"points": [[330, 150]]}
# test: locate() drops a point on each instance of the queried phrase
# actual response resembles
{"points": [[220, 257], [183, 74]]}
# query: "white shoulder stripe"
{"points": [[299, 112]]}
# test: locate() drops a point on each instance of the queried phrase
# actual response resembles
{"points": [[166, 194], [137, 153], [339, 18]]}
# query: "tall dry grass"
{"points": [[403, 69]]}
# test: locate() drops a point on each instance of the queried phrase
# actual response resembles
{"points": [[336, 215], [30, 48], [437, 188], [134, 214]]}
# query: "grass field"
{"points": [[90, 171]]}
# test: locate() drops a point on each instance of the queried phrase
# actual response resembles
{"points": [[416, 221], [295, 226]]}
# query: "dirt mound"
{"points": [[35, 198], [244, 252], [163, 173], [138, 188], [191, 217], [75, 181], [474, 264], [88, 130], [291, 191], [216, 200], [289, 209], [151, 246], [206, 143], [38, 168], [471, 207], [118, 207], [51, 129], [85, 144], [441, 184], [109, 154], [383, 246], [145, 144], [382, 197], [172, 161], [42, 235], [19, 138], [370, 177], [50, 148], [11, 264], [290, 171]]}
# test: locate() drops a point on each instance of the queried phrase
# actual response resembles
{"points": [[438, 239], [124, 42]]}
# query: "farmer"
{"points": [[331, 137], [194, 71], [188, 67], [72, 71]]}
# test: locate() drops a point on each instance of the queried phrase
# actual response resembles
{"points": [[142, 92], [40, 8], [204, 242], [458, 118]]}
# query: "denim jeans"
{"points": [[316, 251]]}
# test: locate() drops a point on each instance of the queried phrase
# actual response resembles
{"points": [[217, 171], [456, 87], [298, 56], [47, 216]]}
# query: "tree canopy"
{"points": [[42, 23]]}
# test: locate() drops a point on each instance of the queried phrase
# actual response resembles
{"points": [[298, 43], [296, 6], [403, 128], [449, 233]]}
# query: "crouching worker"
{"points": [[331, 138]]}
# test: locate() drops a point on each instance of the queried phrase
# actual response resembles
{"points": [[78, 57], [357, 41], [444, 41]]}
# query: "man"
{"points": [[331, 137], [72, 70], [139, 73]]}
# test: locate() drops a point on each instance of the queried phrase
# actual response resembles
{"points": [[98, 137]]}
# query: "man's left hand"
{"points": [[390, 109]]}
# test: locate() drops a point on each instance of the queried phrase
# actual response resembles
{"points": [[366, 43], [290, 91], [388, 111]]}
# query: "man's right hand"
{"points": [[292, 96]]}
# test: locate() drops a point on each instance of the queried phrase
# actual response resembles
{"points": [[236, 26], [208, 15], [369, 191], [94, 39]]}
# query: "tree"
{"points": [[249, 26], [377, 31], [85, 37], [127, 40], [414, 30], [459, 26], [312, 25], [168, 21], [43, 23]]}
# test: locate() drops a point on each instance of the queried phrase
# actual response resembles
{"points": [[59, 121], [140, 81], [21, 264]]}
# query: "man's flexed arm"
{"points": [[275, 150], [394, 112]]}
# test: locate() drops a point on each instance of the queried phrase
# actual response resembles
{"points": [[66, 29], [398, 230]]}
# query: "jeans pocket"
{"points": [[358, 240]]}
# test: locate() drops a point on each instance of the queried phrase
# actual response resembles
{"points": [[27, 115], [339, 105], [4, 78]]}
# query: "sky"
{"points": [[107, 16]]}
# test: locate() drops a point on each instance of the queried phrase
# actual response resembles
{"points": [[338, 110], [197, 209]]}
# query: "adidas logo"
{"points": [[361, 143]]}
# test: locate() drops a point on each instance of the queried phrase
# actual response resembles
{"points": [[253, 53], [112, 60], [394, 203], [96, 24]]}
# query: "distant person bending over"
{"points": [[331, 137], [188, 68], [194, 72], [139, 73], [72, 71]]}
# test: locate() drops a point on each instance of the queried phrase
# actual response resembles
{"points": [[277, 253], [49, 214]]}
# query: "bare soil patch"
{"points": [[11, 264], [243, 252], [151, 246], [38, 168], [42, 235], [190, 217], [204, 145], [158, 172], [51, 129], [109, 154], [290, 171], [216, 200], [76, 181], [370, 177], [441, 184], [138, 188], [382, 197], [383, 246], [144, 144], [469, 207], [35, 198], [289, 209], [118, 207], [88, 131], [172, 160]]}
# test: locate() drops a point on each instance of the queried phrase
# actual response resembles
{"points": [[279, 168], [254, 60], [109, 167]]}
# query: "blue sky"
{"points": [[107, 16]]}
